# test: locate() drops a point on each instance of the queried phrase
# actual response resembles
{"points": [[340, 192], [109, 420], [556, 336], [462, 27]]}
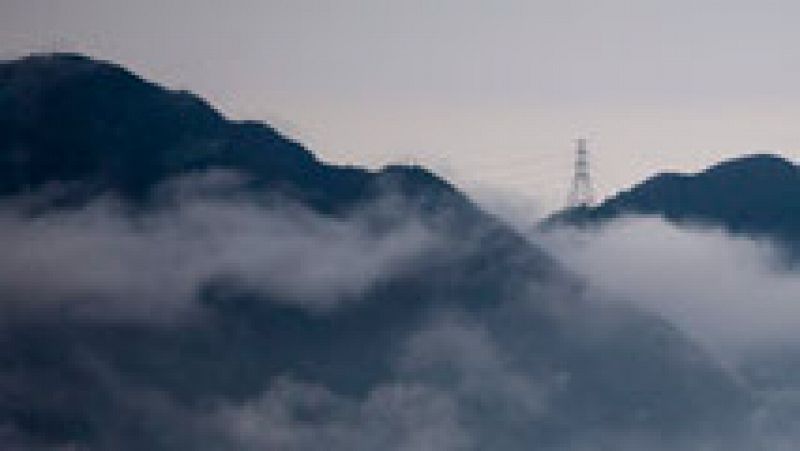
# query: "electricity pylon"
{"points": [[582, 194]]}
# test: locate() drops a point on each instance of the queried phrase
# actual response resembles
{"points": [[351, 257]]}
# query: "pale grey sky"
{"points": [[488, 93]]}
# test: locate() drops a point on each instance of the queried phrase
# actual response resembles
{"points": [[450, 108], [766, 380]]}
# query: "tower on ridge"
{"points": [[582, 194]]}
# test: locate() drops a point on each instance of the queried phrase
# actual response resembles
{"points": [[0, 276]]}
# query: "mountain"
{"points": [[301, 302], [754, 195], [60, 115]]}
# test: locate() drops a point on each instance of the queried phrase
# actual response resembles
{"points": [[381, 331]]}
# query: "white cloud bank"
{"points": [[99, 262], [734, 294]]}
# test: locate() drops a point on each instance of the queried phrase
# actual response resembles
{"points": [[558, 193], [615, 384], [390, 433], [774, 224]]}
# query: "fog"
{"points": [[99, 261], [736, 294], [516, 370]]}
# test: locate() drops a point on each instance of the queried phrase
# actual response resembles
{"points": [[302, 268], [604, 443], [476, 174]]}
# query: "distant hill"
{"points": [[758, 194], [94, 127], [82, 130]]}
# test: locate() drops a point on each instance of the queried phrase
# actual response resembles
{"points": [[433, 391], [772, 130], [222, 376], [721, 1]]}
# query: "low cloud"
{"points": [[524, 362], [451, 389], [299, 416], [732, 293], [102, 262]]}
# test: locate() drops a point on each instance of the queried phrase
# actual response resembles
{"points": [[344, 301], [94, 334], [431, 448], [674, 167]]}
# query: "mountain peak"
{"points": [[61, 60], [754, 194], [71, 120], [756, 168], [62, 70]]}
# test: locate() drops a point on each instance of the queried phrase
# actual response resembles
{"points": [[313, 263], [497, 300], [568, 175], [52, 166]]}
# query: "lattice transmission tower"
{"points": [[582, 193]]}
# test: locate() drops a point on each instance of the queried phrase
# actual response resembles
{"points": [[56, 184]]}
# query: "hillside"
{"points": [[755, 195], [309, 301]]}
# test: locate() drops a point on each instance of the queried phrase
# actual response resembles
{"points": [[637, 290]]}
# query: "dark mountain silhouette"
{"points": [[756, 195], [97, 128], [79, 129]]}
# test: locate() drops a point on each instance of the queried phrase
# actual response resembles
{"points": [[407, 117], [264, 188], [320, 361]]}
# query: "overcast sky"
{"points": [[488, 93]]}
